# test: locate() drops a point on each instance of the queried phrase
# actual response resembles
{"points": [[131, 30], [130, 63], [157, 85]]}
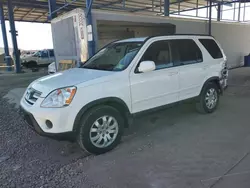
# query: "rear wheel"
{"points": [[100, 129], [208, 99]]}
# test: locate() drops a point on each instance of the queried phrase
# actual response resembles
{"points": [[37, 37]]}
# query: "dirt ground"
{"points": [[172, 148]]}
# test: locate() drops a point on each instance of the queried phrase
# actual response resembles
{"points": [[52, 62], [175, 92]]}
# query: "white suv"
{"points": [[92, 104]]}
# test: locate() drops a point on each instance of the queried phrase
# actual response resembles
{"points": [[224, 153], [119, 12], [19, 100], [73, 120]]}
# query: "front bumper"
{"points": [[30, 120]]}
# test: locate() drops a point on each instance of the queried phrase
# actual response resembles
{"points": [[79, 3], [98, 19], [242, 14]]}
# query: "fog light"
{"points": [[49, 124]]}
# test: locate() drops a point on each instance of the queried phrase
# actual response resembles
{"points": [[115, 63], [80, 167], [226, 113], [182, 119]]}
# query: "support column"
{"points": [[166, 7], [13, 35], [239, 12], [244, 12], [197, 5], [5, 40], [124, 3], [219, 13], [91, 39], [179, 7], [210, 18], [52, 9], [234, 11]]}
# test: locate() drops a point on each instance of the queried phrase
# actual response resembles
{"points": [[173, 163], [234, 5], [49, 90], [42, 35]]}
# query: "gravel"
{"points": [[26, 159], [172, 148]]}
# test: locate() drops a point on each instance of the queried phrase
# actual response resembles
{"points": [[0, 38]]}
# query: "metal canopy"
{"points": [[37, 10], [42, 11]]}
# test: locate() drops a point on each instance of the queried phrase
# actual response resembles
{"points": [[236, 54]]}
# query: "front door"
{"points": [[158, 87]]}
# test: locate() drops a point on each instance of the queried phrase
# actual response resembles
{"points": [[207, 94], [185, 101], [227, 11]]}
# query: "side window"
{"points": [[212, 48], [51, 53], [185, 51], [158, 52], [44, 54]]}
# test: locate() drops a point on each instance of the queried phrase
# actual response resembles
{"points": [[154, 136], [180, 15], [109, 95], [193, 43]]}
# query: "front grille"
{"points": [[32, 95]]}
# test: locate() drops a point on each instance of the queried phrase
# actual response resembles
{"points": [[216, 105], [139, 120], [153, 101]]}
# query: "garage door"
{"points": [[107, 36]]}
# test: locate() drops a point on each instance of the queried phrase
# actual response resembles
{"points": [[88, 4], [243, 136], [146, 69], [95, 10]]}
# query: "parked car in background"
{"points": [[92, 104], [42, 57], [26, 53]]}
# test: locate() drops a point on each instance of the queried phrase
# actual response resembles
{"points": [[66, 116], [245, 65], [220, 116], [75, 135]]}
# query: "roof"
{"points": [[37, 10], [141, 39]]}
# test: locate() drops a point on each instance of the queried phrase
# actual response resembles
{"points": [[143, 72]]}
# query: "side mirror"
{"points": [[146, 66]]}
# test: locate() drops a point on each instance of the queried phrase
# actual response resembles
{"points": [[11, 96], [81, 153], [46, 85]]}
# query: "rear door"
{"points": [[44, 58], [192, 69], [216, 59], [51, 56]]}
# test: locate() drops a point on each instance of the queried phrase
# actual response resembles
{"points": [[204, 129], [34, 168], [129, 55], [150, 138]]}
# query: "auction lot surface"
{"points": [[173, 148]]}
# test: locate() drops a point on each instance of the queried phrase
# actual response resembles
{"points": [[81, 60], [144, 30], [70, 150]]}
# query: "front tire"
{"points": [[100, 130], [208, 99], [32, 64]]}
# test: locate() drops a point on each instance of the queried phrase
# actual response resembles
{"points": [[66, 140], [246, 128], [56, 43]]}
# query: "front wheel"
{"points": [[208, 99], [32, 64], [100, 129]]}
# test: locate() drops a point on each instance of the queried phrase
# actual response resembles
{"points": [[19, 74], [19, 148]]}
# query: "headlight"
{"points": [[59, 98]]}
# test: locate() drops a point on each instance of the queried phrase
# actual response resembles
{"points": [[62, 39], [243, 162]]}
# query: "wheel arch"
{"points": [[214, 79], [115, 102], [32, 61]]}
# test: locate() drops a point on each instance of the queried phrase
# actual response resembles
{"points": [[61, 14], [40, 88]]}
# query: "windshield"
{"points": [[114, 57], [36, 54]]}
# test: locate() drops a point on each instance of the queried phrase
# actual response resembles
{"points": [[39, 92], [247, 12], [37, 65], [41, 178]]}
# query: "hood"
{"points": [[27, 58], [70, 77]]}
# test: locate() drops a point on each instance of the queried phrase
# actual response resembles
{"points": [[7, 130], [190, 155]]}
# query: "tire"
{"points": [[87, 139], [32, 64], [202, 105]]}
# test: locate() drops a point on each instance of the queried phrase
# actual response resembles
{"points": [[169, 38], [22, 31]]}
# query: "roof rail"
{"points": [[195, 34], [180, 35]]}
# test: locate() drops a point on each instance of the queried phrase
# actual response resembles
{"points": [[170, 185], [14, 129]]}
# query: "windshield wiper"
{"points": [[90, 67], [108, 67]]}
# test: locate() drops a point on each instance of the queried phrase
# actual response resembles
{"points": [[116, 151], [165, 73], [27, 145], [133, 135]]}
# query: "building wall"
{"points": [[233, 37], [235, 40]]}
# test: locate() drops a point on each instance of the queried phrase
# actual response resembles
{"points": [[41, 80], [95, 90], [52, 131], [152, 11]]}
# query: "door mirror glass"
{"points": [[146, 66]]}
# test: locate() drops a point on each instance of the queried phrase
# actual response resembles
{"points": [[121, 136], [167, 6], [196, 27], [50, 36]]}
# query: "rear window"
{"points": [[212, 48], [51, 53]]}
